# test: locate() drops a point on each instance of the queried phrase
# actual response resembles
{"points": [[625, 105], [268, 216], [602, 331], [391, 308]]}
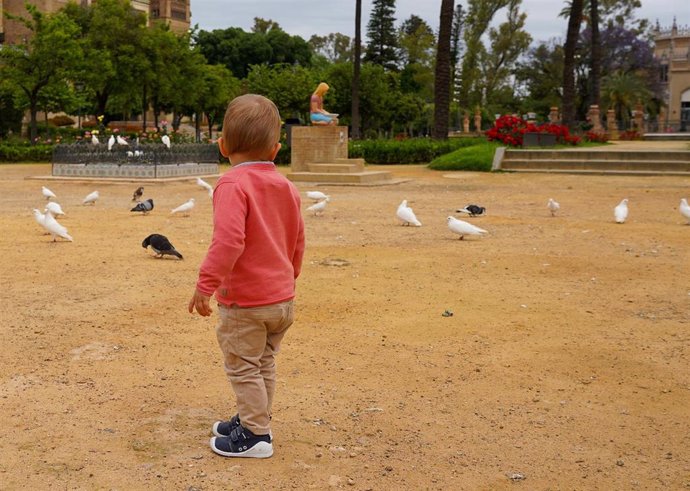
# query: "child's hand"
{"points": [[201, 303]]}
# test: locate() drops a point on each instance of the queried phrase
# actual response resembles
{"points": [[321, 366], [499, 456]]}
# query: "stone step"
{"points": [[337, 168], [607, 155], [596, 165], [365, 177]]}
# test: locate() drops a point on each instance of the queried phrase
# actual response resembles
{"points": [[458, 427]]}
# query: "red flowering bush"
{"points": [[510, 130], [630, 135], [595, 137]]}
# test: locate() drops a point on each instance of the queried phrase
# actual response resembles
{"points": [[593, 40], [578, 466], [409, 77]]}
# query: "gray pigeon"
{"points": [[144, 206]]}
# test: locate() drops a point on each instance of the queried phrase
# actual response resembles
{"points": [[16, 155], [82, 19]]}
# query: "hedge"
{"points": [[25, 153], [410, 151]]}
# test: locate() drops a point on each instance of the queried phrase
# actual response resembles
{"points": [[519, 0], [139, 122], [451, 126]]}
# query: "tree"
{"points": [[508, 43], [416, 41], [382, 45], [596, 51], [43, 61], [237, 49], [218, 89], [288, 86], [540, 77], [442, 84], [478, 18], [622, 91], [113, 61], [356, 71], [335, 47], [574, 22]]}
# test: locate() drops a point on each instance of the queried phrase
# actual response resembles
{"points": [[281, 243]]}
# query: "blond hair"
{"points": [[321, 89], [251, 125]]}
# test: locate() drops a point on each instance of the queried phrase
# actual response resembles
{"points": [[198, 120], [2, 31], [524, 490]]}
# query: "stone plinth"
{"points": [[319, 154], [317, 145]]}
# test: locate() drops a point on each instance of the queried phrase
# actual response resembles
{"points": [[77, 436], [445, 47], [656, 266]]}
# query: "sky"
{"points": [[307, 17]]}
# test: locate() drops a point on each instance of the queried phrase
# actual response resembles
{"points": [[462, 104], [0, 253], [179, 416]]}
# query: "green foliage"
{"points": [[416, 40], [23, 152], [410, 151], [383, 43], [335, 47], [288, 86], [238, 50], [44, 61], [476, 157]]}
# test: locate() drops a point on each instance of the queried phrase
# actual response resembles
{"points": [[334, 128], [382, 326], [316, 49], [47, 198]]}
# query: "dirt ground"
{"points": [[565, 364]]}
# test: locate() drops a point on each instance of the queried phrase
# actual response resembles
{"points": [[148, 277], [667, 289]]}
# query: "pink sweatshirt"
{"points": [[258, 238]]}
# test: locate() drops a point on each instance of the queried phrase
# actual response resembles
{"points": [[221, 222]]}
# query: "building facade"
{"points": [[672, 49], [176, 13]]}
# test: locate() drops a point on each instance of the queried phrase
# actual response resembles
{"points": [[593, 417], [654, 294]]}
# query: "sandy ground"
{"points": [[564, 366]]}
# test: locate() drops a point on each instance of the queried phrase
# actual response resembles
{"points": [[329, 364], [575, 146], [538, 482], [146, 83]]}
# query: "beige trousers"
{"points": [[249, 339]]}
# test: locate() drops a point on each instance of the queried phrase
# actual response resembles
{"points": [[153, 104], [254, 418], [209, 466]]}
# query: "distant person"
{"points": [[251, 266], [317, 114]]}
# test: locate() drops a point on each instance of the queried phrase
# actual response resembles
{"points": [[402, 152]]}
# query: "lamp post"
{"points": [[79, 87]]}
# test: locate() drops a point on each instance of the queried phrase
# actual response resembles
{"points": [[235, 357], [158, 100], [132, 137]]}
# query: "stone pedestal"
{"points": [[595, 118], [638, 118], [554, 117], [466, 123], [611, 126], [478, 121], [319, 154]]}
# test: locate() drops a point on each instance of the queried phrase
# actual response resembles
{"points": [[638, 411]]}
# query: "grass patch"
{"points": [[476, 157]]}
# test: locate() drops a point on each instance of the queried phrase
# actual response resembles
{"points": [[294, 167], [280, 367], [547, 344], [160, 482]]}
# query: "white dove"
{"points": [[138, 153], [121, 141], [40, 217], [130, 153], [316, 195], [55, 229], [54, 208], [184, 207], [48, 193], [166, 140], [91, 198], [406, 214], [621, 211], [205, 185], [685, 209], [95, 140], [111, 142], [553, 206], [463, 228], [319, 207]]}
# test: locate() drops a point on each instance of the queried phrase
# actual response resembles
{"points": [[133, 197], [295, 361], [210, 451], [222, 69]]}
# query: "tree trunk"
{"points": [[144, 107], [357, 62], [442, 80], [210, 126], [596, 52], [33, 123], [568, 102], [197, 127]]}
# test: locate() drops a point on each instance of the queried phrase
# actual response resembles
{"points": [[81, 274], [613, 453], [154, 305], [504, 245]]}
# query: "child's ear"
{"points": [[221, 145], [275, 151]]}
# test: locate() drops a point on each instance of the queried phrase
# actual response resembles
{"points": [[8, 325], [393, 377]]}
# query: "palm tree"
{"points": [[622, 91], [595, 66], [357, 67], [442, 80], [574, 22]]}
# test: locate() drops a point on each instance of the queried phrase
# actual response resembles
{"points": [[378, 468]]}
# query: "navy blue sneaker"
{"points": [[223, 428], [242, 443]]}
